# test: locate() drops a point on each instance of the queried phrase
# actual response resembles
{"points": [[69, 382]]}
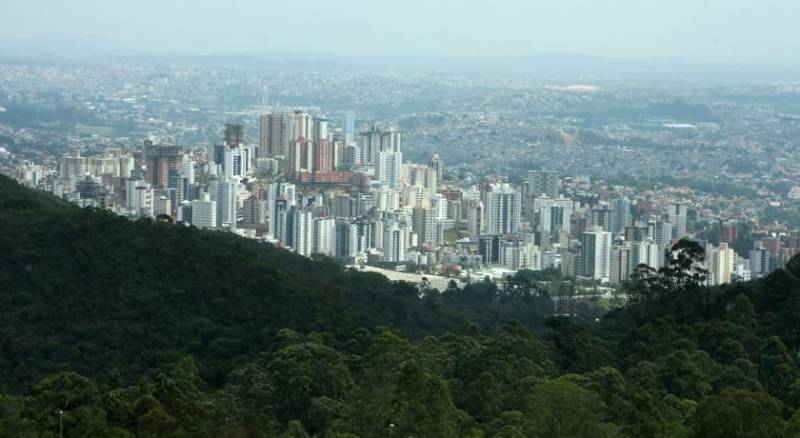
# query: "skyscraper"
{"points": [[234, 134], [254, 211], [646, 253], [437, 165], [320, 131], [388, 169], [601, 217], [677, 217], [324, 236], [302, 236], [302, 126], [424, 224], [619, 264], [620, 214], [503, 209], [204, 213], [226, 195], [346, 239], [275, 131], [394, 241], [759, 261], [543, 182], [660, 232], [392, 140], [474, 218], [595, 255], [369, 145], [235, 163], [301, 155], [160, 161], [560, 218], [721, 262], [323, 156], [139, 197]]}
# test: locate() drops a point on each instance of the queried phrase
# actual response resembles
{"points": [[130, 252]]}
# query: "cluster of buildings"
{"points": [[319, 187]]}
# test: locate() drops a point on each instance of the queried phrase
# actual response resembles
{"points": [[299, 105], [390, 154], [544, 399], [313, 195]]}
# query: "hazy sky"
{"points": [[708, 30]]}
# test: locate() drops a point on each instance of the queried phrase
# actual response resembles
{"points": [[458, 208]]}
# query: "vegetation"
{"points": [[146, 329]]}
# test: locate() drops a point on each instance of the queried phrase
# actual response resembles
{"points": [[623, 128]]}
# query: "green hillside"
{"points": [[153, 330]]}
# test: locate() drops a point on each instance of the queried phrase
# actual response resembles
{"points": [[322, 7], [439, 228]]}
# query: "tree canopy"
{"points": [[148, 329]]}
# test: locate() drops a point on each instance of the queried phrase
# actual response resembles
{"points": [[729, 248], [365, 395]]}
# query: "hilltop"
{"points": [[137, 328]]}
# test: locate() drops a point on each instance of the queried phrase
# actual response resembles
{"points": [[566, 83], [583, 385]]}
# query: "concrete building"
{"points": [[503, 209], [595, 260]]}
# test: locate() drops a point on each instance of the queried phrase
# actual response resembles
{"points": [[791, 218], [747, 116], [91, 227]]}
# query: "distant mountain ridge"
{"points": [[63, 46], [56, 48]]}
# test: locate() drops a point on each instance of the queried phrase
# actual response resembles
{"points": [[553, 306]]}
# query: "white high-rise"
{"points": [[187, 169], [302, 235], [646, 253], [236, 163], [424, 223], [721, 263], [595, 255], [439, 203], [503, 209], [204, 213], [394, 241], [139, 197], [389, 167], [324, 236], [387, 199], [226, 195]]}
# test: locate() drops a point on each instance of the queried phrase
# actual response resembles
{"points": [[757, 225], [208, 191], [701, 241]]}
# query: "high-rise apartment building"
{"points": [[475, 214], [388, 168], [721, 260], [302, 126], [324, 236], [301, 238], [543, 182], [161, 160], [595, 255], [619, 264], [234, 134], [677, 217], [437, 165], [424, 224], [323, 156], [276, 128], [204, 213], [620, 215], [226, 195], [759, 262], [395, 236], [503, 209]]}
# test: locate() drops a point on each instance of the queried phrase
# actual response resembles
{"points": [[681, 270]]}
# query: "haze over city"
{"points": [[730, 31]]}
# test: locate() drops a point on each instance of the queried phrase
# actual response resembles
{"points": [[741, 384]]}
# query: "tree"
{"points": [[742, 312], [423, 406], [563, 409], [777, 369], [739, 414], [685, 264]]}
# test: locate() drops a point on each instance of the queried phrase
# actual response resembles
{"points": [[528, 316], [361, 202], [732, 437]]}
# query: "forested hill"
{"points": [[87, 290], [153, 330]]}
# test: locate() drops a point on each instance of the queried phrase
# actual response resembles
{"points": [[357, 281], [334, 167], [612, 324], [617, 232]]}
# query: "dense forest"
{"points": [[123, 328]]}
